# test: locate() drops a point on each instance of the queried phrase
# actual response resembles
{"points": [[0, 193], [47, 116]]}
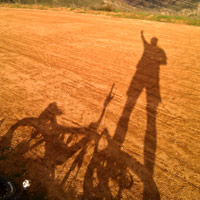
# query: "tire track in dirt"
{"points": [[74, 59]]}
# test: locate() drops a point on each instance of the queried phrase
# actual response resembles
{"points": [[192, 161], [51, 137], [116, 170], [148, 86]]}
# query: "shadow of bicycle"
{"points": [[41, 144], [109, 171], [112, 164]]}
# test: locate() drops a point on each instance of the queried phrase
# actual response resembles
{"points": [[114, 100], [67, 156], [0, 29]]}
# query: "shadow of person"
{"points": [[49, 132], [44, 129], [42, 124], [56, 150], [146, 77]]}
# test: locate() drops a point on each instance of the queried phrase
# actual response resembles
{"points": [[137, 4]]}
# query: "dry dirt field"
{"points": [[65, 129]]}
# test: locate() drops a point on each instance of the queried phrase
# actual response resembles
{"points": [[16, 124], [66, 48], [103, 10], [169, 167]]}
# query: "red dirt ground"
{"points": [[150, 146]]}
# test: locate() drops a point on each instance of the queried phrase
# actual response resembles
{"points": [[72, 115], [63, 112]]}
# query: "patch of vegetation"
{"points": [[160, 18], [108, 8]]}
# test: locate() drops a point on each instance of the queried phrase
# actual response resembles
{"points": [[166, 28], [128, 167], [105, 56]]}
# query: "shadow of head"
{"points": [[154, 41], [53, 108], [160, 55]]}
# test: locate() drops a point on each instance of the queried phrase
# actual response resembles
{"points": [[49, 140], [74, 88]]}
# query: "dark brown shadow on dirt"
{"points": [[111, 163], [50, 132], [146, 77], [58, 148], [108, 166], [46, 130]]}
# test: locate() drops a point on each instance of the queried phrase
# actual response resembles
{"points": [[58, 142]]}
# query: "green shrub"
{"points": [[108, 7]]}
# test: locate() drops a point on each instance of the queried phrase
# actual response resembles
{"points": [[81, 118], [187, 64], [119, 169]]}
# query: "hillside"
{"points": [[173, 4], [189, 8], [183, 6]]}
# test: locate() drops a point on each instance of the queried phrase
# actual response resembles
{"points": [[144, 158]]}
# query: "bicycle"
{"points": [[8, 189]]}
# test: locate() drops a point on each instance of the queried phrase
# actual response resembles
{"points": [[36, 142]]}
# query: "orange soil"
{"points": [[73, 60]]}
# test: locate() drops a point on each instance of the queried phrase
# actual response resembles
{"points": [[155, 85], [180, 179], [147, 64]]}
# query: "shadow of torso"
{"points": [[147, 73]]}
